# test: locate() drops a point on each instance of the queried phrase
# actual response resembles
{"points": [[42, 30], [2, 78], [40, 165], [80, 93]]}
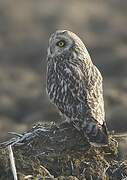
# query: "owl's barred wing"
{"points": [[95, 98], [94, 127], [90, 93], [96, 102]]}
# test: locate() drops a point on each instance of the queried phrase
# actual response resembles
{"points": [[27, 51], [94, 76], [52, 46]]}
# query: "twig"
{"points": [[16, 134], [46, 172], [120, 135], [12, 162]]}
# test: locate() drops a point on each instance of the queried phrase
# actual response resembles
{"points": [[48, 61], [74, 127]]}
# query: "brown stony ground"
{"points": [[25, 27]]}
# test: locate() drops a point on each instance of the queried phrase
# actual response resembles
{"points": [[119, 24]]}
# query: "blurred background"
{"points": [[25, 27]]}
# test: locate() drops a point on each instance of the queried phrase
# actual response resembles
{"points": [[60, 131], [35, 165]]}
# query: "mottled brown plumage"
{"points": [[74, 85]]}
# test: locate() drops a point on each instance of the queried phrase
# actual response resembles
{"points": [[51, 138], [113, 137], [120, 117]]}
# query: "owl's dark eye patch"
{"points": [[61, 43]]}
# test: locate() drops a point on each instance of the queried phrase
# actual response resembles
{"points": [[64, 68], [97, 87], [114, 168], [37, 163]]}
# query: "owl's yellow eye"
{"points": [[60, 43]]}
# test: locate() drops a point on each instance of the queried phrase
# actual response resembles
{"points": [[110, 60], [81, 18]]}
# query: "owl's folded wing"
{"points": [[90, 93]]}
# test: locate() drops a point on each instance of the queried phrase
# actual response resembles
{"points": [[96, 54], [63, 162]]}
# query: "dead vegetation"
{"points": [[60, 152]]}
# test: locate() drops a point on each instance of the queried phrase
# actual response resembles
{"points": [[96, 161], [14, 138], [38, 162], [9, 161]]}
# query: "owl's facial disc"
{"points": [[59, 43]]}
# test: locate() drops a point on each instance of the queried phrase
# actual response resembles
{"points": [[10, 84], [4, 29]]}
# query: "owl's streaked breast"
{"points": [[60, 94]]}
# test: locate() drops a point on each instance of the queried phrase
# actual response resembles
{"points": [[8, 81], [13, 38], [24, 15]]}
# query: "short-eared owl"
{"points": [[74, 84]]}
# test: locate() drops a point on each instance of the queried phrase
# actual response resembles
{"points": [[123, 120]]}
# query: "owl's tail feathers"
{"points": [[95, 132]]}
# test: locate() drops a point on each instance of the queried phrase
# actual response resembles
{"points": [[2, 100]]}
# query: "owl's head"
{"points": [[62, 42]]}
